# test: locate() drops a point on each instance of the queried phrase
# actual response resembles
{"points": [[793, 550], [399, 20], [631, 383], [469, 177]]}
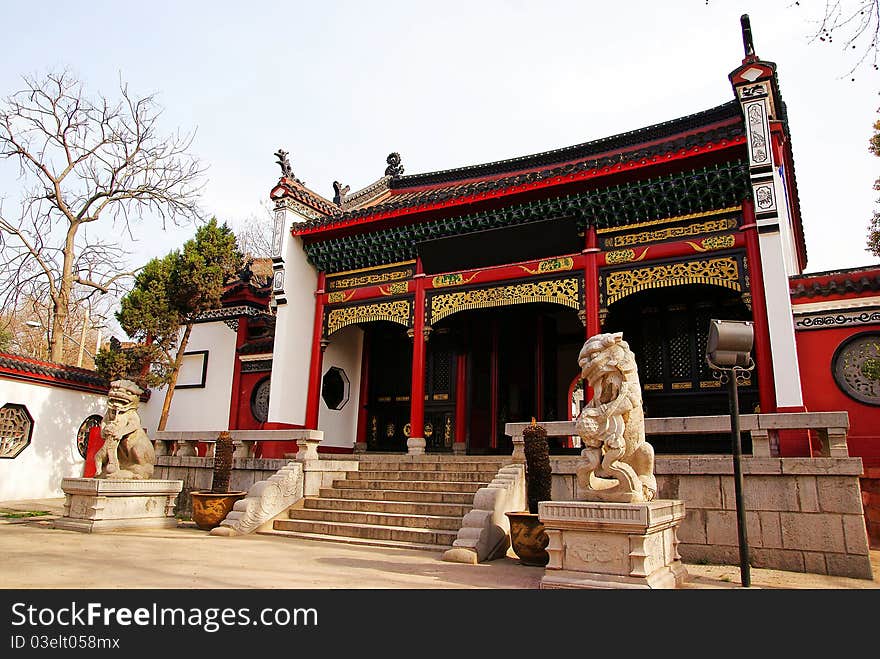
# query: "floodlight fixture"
{"points": [[729, 345]]}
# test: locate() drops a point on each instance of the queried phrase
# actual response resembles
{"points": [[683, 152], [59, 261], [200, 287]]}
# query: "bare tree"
{"points": [[254, 234], [853, 25], [89, 168]]}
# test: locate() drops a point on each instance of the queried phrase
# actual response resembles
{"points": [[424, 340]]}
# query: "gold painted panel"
{"points": [[670, 233], [722, 271], [551, 265], [558, 291], [396, 311]]}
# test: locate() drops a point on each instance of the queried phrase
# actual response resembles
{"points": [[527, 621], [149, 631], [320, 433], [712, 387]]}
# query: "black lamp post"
{"points": [[728, 349]]}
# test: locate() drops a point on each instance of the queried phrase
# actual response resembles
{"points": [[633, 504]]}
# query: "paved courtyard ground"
{"points": [[187, 557]]}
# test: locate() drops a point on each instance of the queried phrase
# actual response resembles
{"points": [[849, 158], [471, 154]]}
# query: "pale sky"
{"points": [[447, 84]]}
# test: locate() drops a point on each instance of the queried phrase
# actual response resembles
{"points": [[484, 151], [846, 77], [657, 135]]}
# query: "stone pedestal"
{"points": [[93, 505], [612, 545]]}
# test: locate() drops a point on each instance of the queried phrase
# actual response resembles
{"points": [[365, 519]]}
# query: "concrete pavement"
{"points": [[186, 557]]}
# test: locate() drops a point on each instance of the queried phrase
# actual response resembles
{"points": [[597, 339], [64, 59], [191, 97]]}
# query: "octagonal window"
{"points": [[16, 429], [335, 388], [82, 435]]}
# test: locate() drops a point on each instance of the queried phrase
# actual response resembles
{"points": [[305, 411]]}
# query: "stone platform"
{"points": [[94, 505], [612, 545]]}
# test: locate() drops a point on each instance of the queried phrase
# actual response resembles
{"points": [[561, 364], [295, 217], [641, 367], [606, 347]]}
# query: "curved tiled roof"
{"points": [[62, 374], [836, 282]]}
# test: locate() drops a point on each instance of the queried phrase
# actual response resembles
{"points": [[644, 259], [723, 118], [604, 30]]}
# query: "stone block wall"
{"points": [[802, 514], [197, 474], [870, 484]]}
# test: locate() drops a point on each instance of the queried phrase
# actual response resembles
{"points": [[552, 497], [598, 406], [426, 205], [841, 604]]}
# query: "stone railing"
{"points": [[182, 443], [830, 427]]}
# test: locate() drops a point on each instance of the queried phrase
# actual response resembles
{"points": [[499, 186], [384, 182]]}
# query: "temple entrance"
{"points": [[667, 330], [389, 355]]}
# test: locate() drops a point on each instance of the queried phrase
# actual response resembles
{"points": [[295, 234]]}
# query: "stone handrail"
{"points": [[831, 428], [183, 442]]}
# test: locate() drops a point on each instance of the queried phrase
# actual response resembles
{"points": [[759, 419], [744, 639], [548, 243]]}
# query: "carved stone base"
{"points": [[612, 545], [360, 447], [415, 446], [459, 448], [94, 505]]}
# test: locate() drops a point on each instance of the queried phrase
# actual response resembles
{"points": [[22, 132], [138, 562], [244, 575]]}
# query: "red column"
{"points": [[591, 282], [236, 393], [314, 396], [417, 390], [460, 403], [363, 393], [766, 385]]}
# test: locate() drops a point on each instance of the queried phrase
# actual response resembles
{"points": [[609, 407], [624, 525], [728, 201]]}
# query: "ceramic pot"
{"points": [[211, 508], [528, 538]]}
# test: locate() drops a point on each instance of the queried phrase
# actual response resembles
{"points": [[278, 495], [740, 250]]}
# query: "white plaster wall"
{"points": [[789, 248], [52, 455], [293, 337], [205, 408], [345, 352], [780, 321]]}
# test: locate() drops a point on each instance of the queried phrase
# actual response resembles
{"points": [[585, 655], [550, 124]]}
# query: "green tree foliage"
{"points": [[874, 224], [128, 362], [169, 295]]}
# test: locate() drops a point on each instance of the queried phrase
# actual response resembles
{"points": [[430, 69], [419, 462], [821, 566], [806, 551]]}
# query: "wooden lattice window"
{"points": [[16, 429]]}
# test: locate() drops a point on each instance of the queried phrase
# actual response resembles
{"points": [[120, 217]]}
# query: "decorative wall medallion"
{"points": [[591, 552], [451, 279], [278, 281], [406, 430], [551, 265], [758, 128], [764, 199], [720, 272], [670, 233], [856, 367], [278, 232], [260, 401], [559, 291], [396, 311]]}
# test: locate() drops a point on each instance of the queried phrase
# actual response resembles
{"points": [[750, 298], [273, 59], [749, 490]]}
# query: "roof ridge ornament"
{"points": [[339, 193], [394, 168], [748, 44], [284, 162]]}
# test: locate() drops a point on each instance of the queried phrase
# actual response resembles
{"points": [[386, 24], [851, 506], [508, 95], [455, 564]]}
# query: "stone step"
{"points": [[369, 532], [405, 475], [458, 510], [407, 486], [392, 544], [433, 522], [396, 495], [393, 465]]}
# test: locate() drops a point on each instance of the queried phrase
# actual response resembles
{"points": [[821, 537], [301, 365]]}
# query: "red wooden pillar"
{"points": [[236, 393], [591, 283], [417, 390], [459, 446], [363, 396], [766, 385], [313, 399]]}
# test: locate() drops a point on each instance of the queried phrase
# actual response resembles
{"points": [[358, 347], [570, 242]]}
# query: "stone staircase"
{"points": [[415, 502]]}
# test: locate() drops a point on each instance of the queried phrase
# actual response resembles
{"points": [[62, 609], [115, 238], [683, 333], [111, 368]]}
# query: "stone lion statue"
{"points": [[127, 452], [619, 462]]}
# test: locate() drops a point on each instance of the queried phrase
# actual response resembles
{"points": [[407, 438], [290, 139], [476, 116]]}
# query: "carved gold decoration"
{"points": [[406, 429], [670, 220], [747, 300], [447, 432], [441, 396], [713, 242], [396, 311], [374, 430], [720, 272], [389, 430], [658, 235], [551, 265], [682, 385], [653, 387], [429, 429], [558, 291], [710, 384], [397, 288], [369, 278], [339, 296], [451, 279], [383, 399], [625, 256]]}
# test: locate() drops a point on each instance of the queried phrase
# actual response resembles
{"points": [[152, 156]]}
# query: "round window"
{"points": [[856, 367], [260, 401], [82, 435]]}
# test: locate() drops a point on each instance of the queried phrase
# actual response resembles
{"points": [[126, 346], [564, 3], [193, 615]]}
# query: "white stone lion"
{"points": [[619, 462], [127, 452]]}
